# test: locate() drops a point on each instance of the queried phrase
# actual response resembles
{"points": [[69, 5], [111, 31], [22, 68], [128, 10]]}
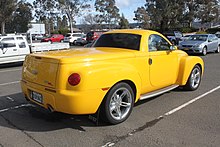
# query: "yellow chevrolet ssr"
{"points": [[122, 67]]}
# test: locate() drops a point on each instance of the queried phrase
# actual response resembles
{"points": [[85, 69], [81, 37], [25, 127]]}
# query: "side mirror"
{"points": [[209, 40], [173, 47]]}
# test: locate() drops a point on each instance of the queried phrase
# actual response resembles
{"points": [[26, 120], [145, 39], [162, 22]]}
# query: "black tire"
{"points": [[204, 51], [194, 79], [118, 104], [70, 43], [218, 49]]}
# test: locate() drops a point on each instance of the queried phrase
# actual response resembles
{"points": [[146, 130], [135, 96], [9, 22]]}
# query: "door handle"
{"points": [[150, 61], [14, 49]]}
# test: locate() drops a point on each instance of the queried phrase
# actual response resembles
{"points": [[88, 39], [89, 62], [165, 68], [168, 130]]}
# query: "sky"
{"points": [[127, 7]]}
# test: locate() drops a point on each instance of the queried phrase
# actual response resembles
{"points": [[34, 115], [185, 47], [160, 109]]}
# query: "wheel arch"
{"points": [[186, 66]]}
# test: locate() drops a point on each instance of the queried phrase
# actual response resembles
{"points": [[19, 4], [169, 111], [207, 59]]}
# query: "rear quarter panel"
{"points": [[186, 65], [99, 75]]}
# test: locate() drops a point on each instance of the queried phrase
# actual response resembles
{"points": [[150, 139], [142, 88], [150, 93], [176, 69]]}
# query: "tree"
{"points": [[164, 13], [109, 13], [168, 14], [142, 17], [21, 18], [64, 22], [208, 10], [72, 8], [45, 11], [123, 23], [7, 7], [90, 22]]}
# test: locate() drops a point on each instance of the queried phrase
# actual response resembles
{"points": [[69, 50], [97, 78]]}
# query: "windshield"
{"points": [[119, 40], [198, 37]]}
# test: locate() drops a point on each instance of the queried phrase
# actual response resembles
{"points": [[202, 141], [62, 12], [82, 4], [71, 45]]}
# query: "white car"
{"points": [[13, 48], [72, 37]]}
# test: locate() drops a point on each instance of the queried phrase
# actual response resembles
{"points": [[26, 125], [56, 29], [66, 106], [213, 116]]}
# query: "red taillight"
{"points": [[74, 79]]}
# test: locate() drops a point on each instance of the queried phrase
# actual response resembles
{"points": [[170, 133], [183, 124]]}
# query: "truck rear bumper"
{"points": [[71, 102]]}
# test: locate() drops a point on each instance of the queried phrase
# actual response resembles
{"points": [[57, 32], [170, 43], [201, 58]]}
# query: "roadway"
{"points": [[177, 118]]}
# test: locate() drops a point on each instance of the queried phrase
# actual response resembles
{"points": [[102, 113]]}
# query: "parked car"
{"points": [[201, 43], [54, 38], [38, 37], [185, 37], [13, 48], [93, 35], [81, 41], [174, 36], [122, 67], [72, 37], [217, 34]]}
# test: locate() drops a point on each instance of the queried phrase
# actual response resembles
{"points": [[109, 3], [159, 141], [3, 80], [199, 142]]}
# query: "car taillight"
{"points": [[74, 79]]}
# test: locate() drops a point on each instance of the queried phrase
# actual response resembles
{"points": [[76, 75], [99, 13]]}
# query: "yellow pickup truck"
{"points": [[122, 67]]}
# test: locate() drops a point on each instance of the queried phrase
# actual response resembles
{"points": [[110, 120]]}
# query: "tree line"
{"points": [[166, 14], [15, 15]]}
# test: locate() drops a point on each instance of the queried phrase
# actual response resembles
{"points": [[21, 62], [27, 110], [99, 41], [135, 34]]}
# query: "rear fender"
{"points": [[106, 78], [186, 65]]}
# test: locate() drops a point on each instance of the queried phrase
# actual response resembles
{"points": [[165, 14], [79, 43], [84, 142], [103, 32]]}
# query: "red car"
{"points": [[54, 38]]}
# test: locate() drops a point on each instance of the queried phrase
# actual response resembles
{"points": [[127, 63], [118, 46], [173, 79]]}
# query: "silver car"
{"points": [[201, 43]]}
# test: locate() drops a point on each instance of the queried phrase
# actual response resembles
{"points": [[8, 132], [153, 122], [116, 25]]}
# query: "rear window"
{"points": [[67, 35], [77, 35], [119, 40]]}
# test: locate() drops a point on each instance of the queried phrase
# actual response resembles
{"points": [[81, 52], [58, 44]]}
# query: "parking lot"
{"points": [[176, 118]]}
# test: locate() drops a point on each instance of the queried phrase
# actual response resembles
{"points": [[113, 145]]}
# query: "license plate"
{"points": [[37, 97], [186, 49]]}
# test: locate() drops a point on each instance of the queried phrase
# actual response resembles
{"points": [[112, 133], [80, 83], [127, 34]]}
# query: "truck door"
{"points": [[162, 62], [8, 50]]}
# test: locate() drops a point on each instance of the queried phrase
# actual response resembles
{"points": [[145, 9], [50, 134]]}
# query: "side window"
{"points": [[8, 42], [21, 42], [210, 38], [157, 43]]}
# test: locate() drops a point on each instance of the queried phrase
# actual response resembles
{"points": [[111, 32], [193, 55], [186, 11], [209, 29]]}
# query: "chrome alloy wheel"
{"points": [[195, 78], [204, 51], [120, 103]]}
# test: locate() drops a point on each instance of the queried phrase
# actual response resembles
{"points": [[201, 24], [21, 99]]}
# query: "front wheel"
{"points": [[118, 104], [204, 51], [218, 49], [194, 79]]}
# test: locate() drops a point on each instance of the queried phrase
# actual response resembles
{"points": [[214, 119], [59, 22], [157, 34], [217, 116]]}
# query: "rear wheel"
{"points": [[194, 79], [204, 51], [118, 104]]}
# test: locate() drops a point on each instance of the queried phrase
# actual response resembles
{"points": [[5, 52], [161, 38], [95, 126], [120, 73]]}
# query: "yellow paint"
{"points": [[101, 68]]}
